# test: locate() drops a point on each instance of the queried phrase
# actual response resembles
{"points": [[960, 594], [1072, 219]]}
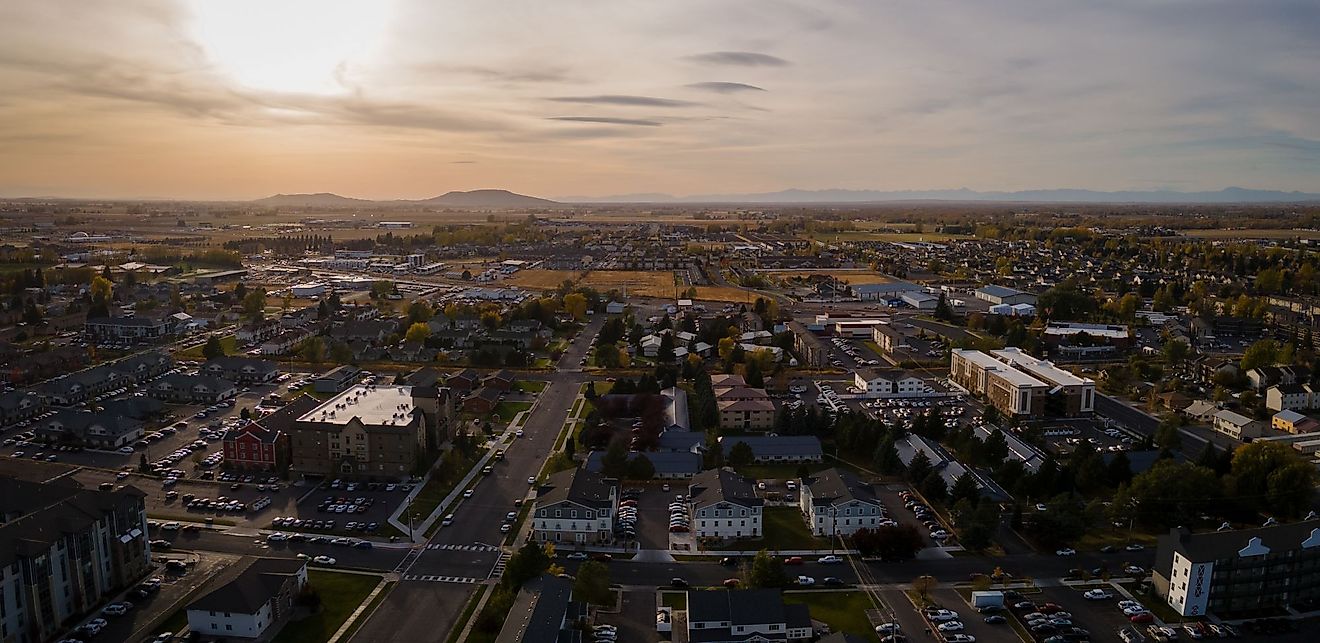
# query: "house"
{"points": [[72, 546], [245, 607], [575, 506], [17, 406], [1201, 410], [724, 505], [464, 380], [836, 503], [501, 380], [1265, 376], [1288, 397], [482, 401], [1237, 426], [144, 366], [876, 384], [253, 447], [337, 379], [1004, 295], [195, 389], [243, 370], [544, 612], [1293, 422], [776, 448], [745, 616]]}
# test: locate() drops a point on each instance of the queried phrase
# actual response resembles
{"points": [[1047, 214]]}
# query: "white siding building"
{"points": [[724, 505], [835, 502]]}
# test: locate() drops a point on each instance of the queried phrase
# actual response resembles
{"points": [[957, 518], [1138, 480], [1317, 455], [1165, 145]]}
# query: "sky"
{"points": [[239, 99]]}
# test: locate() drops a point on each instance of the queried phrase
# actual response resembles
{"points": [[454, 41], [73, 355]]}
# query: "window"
{"points": [[572, 513]]}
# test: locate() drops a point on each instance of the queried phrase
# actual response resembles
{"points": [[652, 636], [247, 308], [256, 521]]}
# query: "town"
{"points": [[300, 422]]}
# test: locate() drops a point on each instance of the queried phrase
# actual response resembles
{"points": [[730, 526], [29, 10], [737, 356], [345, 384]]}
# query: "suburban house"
{"points": [[1237, 426], [501, 380], [482, 401], [575, 506], [835, 502], [464, 380], [197, 389], [747, 615], [724, 505], [244, 370], [248, 605]]}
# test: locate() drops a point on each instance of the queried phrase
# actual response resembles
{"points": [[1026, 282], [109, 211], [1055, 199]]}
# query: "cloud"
{"points": [[740, 58], [623, 100], [606, 120], [721, 87]]}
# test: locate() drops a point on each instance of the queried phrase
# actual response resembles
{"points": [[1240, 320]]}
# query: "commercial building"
{"points": [[309, 289], [1004, 295], [920, 300], [337, 379], [1237, 426], [575, 506], [724, 505], [1069, 395], [745, 616], [1058, 334], [366, 431], [1239, 572], [1293, 422], [247, 606], [835, 502], [1011, 391], [63, 551]]}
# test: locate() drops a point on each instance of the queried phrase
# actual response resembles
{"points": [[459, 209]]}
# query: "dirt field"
{"points": [[640, 283], [541, 279], [1253, 234]]}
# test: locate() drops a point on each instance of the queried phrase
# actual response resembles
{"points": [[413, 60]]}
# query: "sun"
{"points": [[292, 46]]}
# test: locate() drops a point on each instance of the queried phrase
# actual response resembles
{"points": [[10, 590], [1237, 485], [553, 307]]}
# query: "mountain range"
{"points": [[469, 199], [1226, 195]]}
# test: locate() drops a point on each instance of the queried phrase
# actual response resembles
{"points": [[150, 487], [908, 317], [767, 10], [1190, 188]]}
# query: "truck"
{"points": [[991, 599]]}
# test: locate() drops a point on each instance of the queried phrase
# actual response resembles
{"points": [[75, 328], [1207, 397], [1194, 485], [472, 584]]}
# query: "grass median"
{"points": [[340, 594]]}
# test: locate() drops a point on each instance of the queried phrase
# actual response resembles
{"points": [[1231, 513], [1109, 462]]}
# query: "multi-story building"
{"points": [[575, 506], [17, 406], [546, 613], [1069, 395], [127, 329], [253, 447], [246, 607], [144, 366], [196, 389], [743, 407], [244, 370], [337, 379], [64, 550], [1011, 391], [1242, 571], [877, 384], [1004, 295], [745, 616], [365, 431], [724, 505], [835, 502], [1237, 426], [105, 430]]}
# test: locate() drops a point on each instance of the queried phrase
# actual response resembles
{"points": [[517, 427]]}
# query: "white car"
{"points": [[1097, 595], [324, 560], [940, 616], [1133, 610], [1066, 551], [806, 581], [959, 638], [467, 493], [887, 628], [951, 626], [830, 560], [531, 479]]}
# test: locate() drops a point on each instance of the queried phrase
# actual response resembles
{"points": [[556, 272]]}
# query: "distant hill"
{"points": [[486, 198], [318, 200], [470, 199], [1227, 195]]}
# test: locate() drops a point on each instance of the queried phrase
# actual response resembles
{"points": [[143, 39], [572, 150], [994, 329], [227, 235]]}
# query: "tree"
{"points": [[527, 563], [942, 308], [740, 454], [924, 585], [312, 349], [934, 488], [919, 467], [964, 488], [213, 348], [615, 461], [420, 311], [254, 304], [1174, 493], [1264, 352], [593, 584], [754, 377], [640, 468], [568, 447], [418, 332], [765, 571], [1168, 435], [1175, 351], [1273, 475], [575, 304]]}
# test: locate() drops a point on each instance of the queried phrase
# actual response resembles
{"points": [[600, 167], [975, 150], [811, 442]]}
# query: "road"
{"points": [[1194, 438]]}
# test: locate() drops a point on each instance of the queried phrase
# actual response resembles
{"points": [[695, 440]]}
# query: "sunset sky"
{"points": [[239, 99]]}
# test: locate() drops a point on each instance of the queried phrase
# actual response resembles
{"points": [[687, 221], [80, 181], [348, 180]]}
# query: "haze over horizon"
{"points": [[404, 99]]}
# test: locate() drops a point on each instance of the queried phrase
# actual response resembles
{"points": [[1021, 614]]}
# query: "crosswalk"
{"points": [[427, 578], [408, 560], [498, 570], [454, 547]]}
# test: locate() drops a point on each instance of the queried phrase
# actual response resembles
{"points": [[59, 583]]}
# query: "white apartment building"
{"points": [[724, 505]]}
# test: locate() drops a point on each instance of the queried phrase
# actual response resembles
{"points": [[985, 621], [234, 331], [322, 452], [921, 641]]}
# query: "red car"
{"points": [[732, 583], [1050, 608], [793, 560], [1144, 617]]}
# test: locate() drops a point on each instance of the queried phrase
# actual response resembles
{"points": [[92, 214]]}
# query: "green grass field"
{"points": [[842, 611], [783, 529], [778, 471], [340, 594], [229, 342], [507, 410], [676, 600], [532, 386], [439, 486]]}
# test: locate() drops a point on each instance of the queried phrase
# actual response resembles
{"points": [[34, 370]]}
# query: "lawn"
{"points": [[842, 611], [340, 594], [506, 410], [783, 529], [439, 486], [676, 600], [778, 471], [531, 386], [228, 342]]}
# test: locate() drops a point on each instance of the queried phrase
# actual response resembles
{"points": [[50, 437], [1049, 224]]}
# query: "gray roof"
{"points": [[34, 516], [722, 485], [252, 589], [773, 445], [236, 363], [833, 486], [577, 486], [743, 607], [1223, 545], [1000, 291], [546, 602], [677, 440], [665, 462]]}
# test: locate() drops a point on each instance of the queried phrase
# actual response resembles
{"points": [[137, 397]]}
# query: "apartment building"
{"points": [[1239, 571], [1069, 395], [63, 551], [1011, 391], [366, 431], [575, 506], [248, 605], [884, 384], [244, 370], [724, 505], [1237, 426], [835, 502], [744, 616]]}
